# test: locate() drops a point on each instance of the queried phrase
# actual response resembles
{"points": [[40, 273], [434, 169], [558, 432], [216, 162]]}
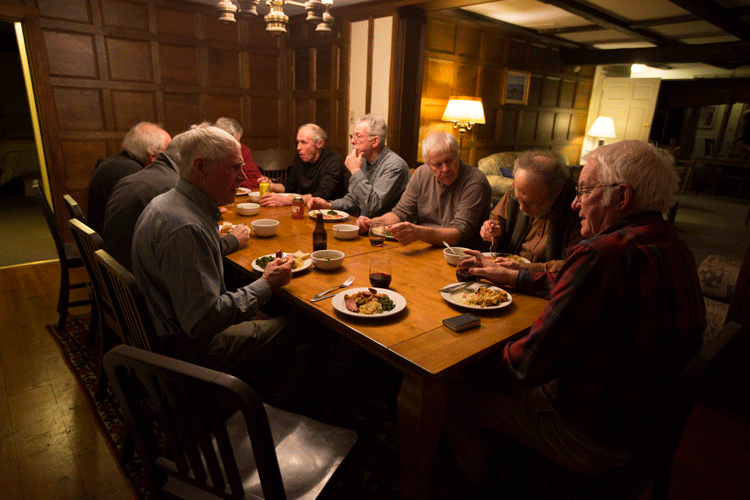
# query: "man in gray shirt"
{"points": [[378, 175], [177, 263], [446, 199]]}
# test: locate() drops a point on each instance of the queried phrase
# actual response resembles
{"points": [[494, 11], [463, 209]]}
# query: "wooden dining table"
{"points": [[414, 340]]}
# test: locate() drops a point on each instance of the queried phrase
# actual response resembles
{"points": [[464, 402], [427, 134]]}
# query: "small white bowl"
{"points": [[345, 231], [453, 259], [255, 196], [264, 227], [248, 208], [327, 260]]}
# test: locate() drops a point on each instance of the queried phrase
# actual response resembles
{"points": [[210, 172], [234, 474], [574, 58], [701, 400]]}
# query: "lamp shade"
{"points": [[464, 111], [603, 128]]}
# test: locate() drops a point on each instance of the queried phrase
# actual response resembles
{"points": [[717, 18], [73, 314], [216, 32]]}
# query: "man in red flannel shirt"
{"points": [[625, 316]]}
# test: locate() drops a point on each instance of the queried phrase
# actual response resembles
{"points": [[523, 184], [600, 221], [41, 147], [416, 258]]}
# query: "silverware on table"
{"points": [[345, 284], [315, 299], [457, 286]]}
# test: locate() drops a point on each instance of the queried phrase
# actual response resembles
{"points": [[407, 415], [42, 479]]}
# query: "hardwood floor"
{"points": [[50, 447]]}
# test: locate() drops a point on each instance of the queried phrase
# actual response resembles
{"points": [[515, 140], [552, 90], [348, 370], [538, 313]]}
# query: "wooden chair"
{"points": [[73, 209], [258, 452], [70, 258], [89, 242], [651, 460], [129, 305]]}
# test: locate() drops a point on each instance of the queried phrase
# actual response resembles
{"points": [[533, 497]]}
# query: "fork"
{"points": [[345, 284]]}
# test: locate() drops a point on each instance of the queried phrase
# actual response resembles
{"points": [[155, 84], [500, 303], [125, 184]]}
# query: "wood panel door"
{"points": [[630, 102]]}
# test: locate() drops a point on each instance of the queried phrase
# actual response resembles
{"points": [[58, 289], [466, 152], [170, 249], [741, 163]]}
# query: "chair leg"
{"points": [[62, 303], [94, 325]]}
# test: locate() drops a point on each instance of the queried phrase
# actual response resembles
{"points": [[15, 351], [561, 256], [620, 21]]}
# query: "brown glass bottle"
{"points": [[320, 237]]}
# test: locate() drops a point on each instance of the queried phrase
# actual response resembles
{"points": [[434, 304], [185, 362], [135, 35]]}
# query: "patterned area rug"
{"points": [[357, 392]]}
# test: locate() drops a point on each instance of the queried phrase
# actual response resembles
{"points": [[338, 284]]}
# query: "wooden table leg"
{"points": [[421, 410]]}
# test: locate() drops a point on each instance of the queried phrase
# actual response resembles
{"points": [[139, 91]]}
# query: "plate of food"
{"points": [[242, 191], [329, 215], [517, 258], [369, 302], [478, 296], [302, 261]]}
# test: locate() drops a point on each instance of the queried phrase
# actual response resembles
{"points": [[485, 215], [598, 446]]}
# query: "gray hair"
{"points": [[206, 141], [143, 140], [649, 171], [318, 134], [545, 165], [375, 126], [438, 142], [229, 125]]}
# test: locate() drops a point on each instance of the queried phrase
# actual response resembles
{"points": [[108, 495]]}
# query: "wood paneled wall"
{"points": [[108, 64], [467, 58]]}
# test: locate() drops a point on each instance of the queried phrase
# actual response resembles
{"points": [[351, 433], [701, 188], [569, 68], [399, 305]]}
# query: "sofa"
{"points": [[717, 276], [498, 168]]}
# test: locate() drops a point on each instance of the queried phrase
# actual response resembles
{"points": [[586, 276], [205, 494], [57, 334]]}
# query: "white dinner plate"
{"points": [[398, 300], [242, 191], [340, 215], [457, 296], [500, 254], [308, 263], [228, 225]]}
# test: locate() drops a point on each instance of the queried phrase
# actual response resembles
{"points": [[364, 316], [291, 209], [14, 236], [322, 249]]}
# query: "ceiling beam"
{"points": [[717, 15], [725, 54]]}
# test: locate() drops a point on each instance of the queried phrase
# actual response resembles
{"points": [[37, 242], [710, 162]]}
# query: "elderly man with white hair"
{"points": [[625, 317], [445, 200]]}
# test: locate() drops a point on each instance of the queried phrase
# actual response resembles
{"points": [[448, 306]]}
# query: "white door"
{"points": [[630, 102]]}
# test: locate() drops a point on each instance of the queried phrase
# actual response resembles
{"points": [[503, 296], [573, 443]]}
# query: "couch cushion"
{"points": [[718, 276]]}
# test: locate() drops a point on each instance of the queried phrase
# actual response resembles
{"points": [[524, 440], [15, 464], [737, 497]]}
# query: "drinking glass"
{"points": [[377, 234], [462, 270], [380, 272]]}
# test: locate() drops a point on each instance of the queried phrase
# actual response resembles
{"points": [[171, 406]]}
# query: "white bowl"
{"points": [[255, 196], [265, 227], [345, 231], [453, 259], [248, 208], [327, 260]]}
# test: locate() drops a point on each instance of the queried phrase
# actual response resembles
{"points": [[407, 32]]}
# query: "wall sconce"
{"points": [[464, 113], [276, 20], [603, 128]]}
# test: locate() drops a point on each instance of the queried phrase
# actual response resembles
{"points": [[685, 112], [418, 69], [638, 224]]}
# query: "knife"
{"points": [[453, 288]]}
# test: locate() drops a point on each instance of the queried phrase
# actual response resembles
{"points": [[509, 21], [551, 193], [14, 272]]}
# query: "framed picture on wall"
{"points": [[706, 116], [515, 88]]}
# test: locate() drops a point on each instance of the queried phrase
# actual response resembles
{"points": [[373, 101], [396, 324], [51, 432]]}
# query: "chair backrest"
{"points": [[73, 209], [88, 242], [128, 302], [49, 216], [187, 401]]}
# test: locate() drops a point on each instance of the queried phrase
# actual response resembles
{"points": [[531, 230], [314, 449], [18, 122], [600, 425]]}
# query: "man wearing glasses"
{"points": [[534, 218], [378, 175], [624, 318]]}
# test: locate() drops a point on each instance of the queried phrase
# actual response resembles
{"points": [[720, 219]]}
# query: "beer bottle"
{"points": [[320, 237]]}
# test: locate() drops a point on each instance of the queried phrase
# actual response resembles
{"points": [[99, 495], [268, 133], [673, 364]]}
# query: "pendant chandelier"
{"points": [[276, 20]]}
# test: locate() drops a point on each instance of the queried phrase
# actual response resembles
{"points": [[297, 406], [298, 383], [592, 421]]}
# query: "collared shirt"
{"points": [[376, 187], [625, 317], [178, 266], [106, 175], [463, 205]]}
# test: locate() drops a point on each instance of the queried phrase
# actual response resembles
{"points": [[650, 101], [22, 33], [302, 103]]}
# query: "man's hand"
{"points": [[263, 178], [508, 263], [278, 272], [364, 224], [275, 200], [318, 203], [242, 233], [490, 231], [405, 232], [353, 161], [483, 267]]}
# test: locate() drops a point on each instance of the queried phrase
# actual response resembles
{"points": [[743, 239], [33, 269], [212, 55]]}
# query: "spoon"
{"points": [[345, 284], [449, 248]]}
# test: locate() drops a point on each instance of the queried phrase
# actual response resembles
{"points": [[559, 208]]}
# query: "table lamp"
{"points": [[464, 113], [603, 128]]}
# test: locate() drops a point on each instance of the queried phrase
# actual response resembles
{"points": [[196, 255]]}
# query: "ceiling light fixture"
{"points": [[276, 20], [637, 68]]}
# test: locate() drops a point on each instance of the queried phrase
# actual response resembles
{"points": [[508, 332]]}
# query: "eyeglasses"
{"points": [[360, 137], [587, 189], [534, 206]]}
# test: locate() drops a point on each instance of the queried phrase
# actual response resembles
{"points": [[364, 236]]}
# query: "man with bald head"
{"points": [[534, 219]]}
